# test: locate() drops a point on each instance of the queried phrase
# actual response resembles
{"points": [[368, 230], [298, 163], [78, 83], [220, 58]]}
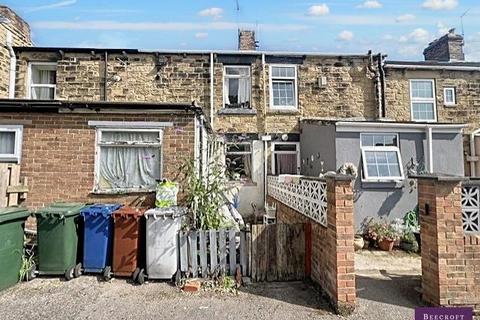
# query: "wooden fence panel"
{"points": [[193, 258], [213, 249], [232, 250], [183, 244], [12, 189], [278, 252]]}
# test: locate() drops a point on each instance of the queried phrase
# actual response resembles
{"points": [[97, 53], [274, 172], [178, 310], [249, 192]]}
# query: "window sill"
{"points": [[293, 111], [121, 192], [382, 184], [237, 111], [446, 105]]}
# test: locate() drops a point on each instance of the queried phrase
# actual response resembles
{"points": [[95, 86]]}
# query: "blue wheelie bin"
{"points": [[97, 247]]}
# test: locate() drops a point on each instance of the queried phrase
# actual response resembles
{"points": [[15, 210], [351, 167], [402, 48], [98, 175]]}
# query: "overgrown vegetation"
{"points": [[28, 264]]}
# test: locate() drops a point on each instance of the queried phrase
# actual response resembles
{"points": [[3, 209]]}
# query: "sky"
{"points": [[399, 28]]}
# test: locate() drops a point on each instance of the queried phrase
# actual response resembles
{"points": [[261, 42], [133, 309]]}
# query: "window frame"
{"points": [[273, 153], [294, 107], [240, 153], [454, 96], [423, 100], [363, 149], [99, 145], [225, 76], [17, 155], [29, 79]]}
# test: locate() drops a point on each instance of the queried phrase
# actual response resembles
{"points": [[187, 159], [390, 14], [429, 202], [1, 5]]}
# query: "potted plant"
{"points": [[358, 242], [387, 235], [408, 242], [369, 231]]}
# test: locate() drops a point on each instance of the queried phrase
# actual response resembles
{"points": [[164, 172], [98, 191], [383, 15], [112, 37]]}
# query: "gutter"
{"points": [[425, 67], [13, 63]]}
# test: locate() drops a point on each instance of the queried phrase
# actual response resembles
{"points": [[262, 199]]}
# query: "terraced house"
{"points": [[65, 110]]}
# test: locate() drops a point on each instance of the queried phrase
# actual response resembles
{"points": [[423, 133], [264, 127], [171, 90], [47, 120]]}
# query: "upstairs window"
{"points": [[283, 87], [237, 87], [381, 157], [449, 98], [422, 97], [43, 80], [10, 143], [128, 160], [238, 159]]}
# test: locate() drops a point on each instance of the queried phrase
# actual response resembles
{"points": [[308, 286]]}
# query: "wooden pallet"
{"points": [[13, 189]]}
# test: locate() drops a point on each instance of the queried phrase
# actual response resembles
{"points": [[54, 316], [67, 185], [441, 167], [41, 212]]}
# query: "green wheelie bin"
{"points": [[12, 221], [57, 235]]}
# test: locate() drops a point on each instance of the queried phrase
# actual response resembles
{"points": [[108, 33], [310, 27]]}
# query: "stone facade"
{"points": [[20, 31], [450, 258], [332, 253], [150, 77], [467, 89]]}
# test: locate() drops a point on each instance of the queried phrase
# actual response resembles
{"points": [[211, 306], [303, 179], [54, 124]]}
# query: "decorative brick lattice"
{"points": [[471, 209], [309, 197]]}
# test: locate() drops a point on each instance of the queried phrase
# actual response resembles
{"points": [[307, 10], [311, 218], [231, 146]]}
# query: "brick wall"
{"points": [[332, 252], [466, 84], [59, 151], [349, 92], [21, 37], [450, 259]]}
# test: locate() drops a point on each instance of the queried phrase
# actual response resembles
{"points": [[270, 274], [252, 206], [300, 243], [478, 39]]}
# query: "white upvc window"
{"points": [[283, 87], [381, 157], [238, 160], [237, 87], [11, 137], [285, 158], [449, 96], [42, 80], [423, 102], [127, 160]]}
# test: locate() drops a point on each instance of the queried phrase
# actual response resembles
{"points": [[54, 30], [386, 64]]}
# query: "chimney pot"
{"points": [[447, 48]]}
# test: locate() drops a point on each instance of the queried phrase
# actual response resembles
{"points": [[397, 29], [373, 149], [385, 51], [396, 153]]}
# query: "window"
{"points": [[43, 80], [128, 160], [449, 98], [381, 157], [285, 158], [11, 137], [237, 87], [422, 96], [238, 159], [283, 87]]}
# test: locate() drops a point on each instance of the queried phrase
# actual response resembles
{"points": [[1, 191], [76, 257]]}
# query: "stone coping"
{"points": [[439, 177], [331, 175]]}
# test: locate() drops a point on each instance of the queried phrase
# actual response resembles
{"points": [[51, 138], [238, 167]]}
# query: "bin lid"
{"points": [[13, 213], [170, 212], [65, 209], [129, 211], [100, 209]]}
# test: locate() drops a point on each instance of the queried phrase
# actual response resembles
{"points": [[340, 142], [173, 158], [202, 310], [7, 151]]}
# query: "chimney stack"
{"points": [[246, 40], [447, 48]]}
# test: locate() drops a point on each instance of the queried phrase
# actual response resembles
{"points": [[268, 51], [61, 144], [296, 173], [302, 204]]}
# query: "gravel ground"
{"points": [[383, 293]]}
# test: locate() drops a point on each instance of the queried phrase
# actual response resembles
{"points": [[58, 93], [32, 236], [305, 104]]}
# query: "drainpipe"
{"points": [[381, 69], [429, 148], [105, 74], [265, 143], [13, 63], [377, 83], [211, 90]]}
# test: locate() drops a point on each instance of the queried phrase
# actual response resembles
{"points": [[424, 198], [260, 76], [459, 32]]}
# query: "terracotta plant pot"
{"points": [[386, 245], [358, 243]]}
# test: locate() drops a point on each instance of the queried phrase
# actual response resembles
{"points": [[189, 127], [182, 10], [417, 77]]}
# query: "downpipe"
{"points": [[13, 63]]}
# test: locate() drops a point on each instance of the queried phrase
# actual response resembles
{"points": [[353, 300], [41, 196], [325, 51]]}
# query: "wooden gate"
{"points": [[278, 252], [12, 190]]}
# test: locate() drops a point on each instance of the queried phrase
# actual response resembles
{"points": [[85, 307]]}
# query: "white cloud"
{"points": [[345, 35], [410, 50], [161, 26], [215, 13], [56, 5], [387, 37], [318, 10], [442, 29], [405, 18], [371, 4], [418, 35], [201, 35], [440, 4]]}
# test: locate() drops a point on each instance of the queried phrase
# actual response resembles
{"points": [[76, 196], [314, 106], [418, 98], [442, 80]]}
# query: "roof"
{"points": [[433, 65], [203, 52], [7, 105]]}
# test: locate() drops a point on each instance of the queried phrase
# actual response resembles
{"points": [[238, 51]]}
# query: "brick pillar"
{"points": [[340, 237], [442, 237]]}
